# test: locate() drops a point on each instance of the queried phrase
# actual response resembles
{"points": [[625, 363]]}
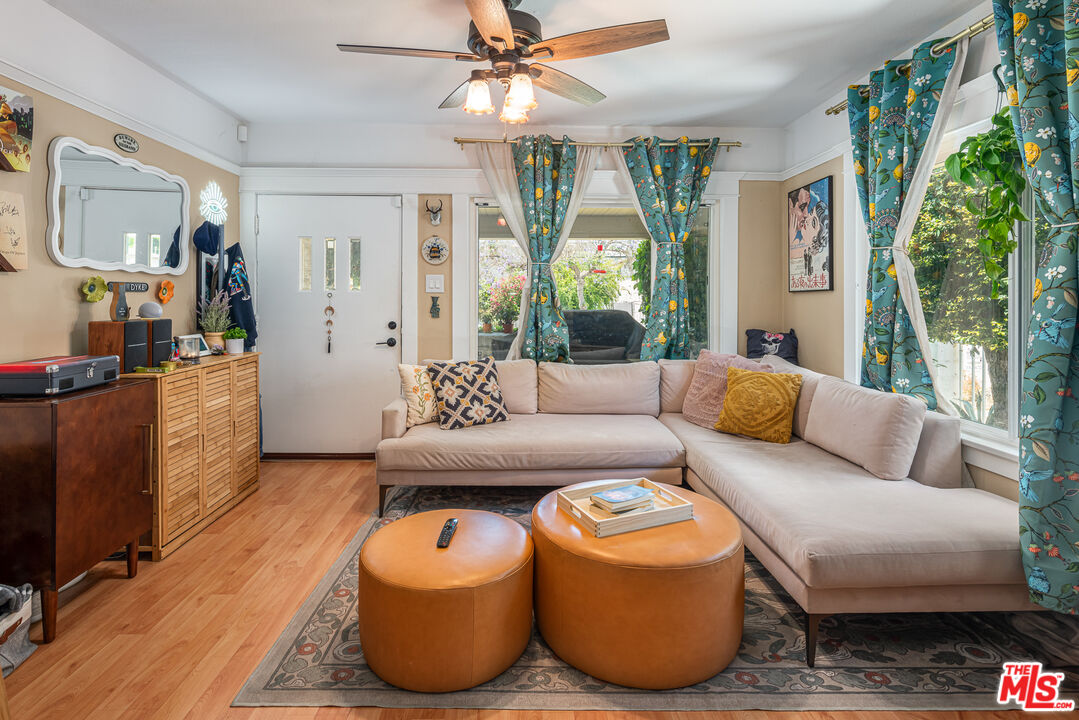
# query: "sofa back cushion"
{"points": [[879, 431], [674, 379], [517, 378], [939, 460], [623, 389], [805, 395]]}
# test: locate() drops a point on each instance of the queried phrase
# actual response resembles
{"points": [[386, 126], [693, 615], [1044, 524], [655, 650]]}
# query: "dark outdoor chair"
{"points": [[597, 337]]}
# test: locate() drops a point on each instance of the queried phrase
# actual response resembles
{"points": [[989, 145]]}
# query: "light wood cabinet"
{"points": [[207, 446]]}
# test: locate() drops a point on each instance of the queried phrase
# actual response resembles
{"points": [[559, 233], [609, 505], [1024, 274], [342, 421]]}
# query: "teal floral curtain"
{"points": [[669, 182], [1039, 42], [545, 176], [889, 129]]}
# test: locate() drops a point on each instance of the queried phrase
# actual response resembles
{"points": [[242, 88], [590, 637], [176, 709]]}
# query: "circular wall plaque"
{"points": [[435, 250], [126, 143]]}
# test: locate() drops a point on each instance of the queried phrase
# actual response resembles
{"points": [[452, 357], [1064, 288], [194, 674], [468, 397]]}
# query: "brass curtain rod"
{"points": [[986, 23], [728, 144]]}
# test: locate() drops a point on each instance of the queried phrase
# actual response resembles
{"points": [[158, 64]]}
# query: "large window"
{"points": [[973, 336], [604, 284]]}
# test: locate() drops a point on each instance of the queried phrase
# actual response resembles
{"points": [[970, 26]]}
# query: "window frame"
{"points": [[708, 204]]}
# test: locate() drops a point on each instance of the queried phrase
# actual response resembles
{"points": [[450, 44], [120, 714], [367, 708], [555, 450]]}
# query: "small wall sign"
{"points": [[126, 143]]}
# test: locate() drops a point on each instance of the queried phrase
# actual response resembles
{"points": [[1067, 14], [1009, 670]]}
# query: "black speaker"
{"points": [[136, 344], [160, 340]]}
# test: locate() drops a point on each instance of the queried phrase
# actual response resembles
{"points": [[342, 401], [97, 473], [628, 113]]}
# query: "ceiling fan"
{"points": [[512, 41]]}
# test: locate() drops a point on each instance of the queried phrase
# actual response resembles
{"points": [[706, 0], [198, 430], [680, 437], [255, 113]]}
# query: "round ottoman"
{"points": [[438, 620], [657, 608]]}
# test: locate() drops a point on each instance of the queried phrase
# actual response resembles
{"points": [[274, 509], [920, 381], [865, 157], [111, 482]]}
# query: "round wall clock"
{"points": [[435, 250]]}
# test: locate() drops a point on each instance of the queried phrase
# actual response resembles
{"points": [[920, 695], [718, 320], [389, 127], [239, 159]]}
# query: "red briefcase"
{"points": [[58, 374]]}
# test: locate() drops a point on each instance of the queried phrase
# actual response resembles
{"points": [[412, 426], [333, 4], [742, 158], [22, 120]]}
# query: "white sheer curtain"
{"points": [[496, 160], [908, 216]]}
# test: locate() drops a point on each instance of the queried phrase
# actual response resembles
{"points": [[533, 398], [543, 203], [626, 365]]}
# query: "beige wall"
{"points": [[817, 317], [43, 311], [435, 334], [760, 287]]}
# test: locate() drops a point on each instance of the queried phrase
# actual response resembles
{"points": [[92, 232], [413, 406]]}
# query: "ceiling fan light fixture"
{"points": [[521, 94], [478, 101], [512, 114]]}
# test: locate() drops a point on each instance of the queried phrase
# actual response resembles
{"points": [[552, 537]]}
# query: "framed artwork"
{"points": [[16, 130], [809, 237]]}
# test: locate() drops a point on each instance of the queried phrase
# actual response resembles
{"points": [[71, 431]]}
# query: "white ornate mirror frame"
{"points": [[53, 232]]}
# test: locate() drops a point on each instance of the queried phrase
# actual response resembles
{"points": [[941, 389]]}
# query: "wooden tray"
{"points": [[667, 508]]}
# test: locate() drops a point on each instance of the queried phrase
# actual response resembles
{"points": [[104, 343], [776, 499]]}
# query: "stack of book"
{"points": [[623, 499]]}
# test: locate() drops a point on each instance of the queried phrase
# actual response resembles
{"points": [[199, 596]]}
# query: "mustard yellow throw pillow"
{"points": [[759, 404]]}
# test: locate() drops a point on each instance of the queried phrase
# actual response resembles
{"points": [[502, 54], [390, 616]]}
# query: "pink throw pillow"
{"points": [[704, 399]]}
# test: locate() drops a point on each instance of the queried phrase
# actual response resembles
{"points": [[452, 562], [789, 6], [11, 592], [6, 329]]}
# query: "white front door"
{"points": [[323, 393]]}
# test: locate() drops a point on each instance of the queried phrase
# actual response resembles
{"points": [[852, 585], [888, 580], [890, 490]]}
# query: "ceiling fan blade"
{"points": [[408, 52], [603, 40], [567, 86], [492, 21], [456, 98]]}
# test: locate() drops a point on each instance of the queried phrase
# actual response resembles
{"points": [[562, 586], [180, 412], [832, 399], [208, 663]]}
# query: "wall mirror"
{"points": [[111, 212]]}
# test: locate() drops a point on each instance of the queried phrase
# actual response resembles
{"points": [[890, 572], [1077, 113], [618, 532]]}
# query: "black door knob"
{"points": [[389, 341], [392, 325]]}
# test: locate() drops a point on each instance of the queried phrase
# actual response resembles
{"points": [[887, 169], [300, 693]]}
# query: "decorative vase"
{"points": [[234, 346], [507, 328], [487, 327], [214, 339]]}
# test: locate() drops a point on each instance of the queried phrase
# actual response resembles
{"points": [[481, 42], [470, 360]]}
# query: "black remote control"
{"points": [[446, 535]]}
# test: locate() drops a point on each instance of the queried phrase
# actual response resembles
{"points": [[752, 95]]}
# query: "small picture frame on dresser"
{"points": [[193, 340]]}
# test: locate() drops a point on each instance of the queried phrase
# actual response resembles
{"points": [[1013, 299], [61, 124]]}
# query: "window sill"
{"points": [[990, 450]]}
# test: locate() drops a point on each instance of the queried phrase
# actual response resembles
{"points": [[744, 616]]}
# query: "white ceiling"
{"points": [[757, 63]]}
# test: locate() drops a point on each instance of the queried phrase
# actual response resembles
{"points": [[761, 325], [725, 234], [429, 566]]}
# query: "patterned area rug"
{"points": [[914, 661]]}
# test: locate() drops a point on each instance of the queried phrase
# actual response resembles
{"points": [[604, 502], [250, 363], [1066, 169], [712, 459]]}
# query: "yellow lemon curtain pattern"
{"points": [[890, 127], [546, 175], [669, 182], [1038, 44]]}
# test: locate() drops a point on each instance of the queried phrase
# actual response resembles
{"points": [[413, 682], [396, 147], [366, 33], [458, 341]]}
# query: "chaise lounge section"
{"points": [[839, 538]]}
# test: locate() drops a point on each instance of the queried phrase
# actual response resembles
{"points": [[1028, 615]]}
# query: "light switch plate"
{"points": [[436, 283]]}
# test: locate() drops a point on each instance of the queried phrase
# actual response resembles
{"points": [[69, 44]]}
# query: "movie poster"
{"points": [[809, 237], [16, 130]]}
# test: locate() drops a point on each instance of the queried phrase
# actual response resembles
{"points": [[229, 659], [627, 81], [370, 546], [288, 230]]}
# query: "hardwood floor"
{"points": [[180, 639]]}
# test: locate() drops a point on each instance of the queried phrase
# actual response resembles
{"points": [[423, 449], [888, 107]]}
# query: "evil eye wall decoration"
{"points": [[213, 206]]}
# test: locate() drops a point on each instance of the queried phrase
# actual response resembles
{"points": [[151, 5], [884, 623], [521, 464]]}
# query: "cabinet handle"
{"points": [[147, 459]]}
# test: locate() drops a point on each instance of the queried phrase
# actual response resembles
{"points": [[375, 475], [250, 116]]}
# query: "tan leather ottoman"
{"points": [[438, 620], [657, 608]]}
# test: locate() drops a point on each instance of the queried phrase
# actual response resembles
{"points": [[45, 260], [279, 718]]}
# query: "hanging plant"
{"points": [[992, 163]]}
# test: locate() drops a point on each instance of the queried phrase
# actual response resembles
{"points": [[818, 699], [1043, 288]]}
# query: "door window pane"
{"points": [[155, 251], [130, 248], [305, 263], [354, 259], [331, 264]]}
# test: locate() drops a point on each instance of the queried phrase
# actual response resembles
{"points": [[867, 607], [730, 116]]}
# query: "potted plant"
{"points": [[214, 319], [486, 316], [505, 299], [234, 340]]}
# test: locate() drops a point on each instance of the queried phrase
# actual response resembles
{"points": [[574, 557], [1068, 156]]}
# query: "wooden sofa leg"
{"points": [[812, 623], [382, 490]]}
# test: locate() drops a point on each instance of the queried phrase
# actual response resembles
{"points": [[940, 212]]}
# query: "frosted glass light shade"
{"points": [[521, 95], [478, 101], [512, 114]]}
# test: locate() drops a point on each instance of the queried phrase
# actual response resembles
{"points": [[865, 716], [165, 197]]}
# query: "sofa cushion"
{"points": [[759, 404], [467, 393], [418, 393], [517, 379], [805, 395], [877, 430], [704, 399], [625, 389], [537, 442], [939, 459], [838, 526], [674, 379]]}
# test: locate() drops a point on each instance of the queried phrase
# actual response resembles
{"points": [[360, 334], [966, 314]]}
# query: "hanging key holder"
{"points": [[329, 312]]}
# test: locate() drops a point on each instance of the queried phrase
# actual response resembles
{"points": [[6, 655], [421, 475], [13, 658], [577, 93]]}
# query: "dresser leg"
{"points": [[133, 559], [48, 614]]}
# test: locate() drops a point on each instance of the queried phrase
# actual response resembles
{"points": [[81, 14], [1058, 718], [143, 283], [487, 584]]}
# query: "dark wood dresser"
{"points": [[76, 475]]}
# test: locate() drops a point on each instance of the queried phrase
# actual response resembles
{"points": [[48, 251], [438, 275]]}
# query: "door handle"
{"points": [[389, 341], [147, 459]]}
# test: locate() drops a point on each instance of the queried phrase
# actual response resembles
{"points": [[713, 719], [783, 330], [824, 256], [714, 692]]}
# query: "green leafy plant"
{"points": [[214, 315], [235, 334], [505, 300], [992, 163]]}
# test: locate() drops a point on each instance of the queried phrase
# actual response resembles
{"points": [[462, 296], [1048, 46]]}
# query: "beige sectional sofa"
{"points": [[838, 537]]}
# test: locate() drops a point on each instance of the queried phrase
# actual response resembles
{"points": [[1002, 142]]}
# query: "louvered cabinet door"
{"points": [[217, 442], [246, 419], [181, 462]]}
